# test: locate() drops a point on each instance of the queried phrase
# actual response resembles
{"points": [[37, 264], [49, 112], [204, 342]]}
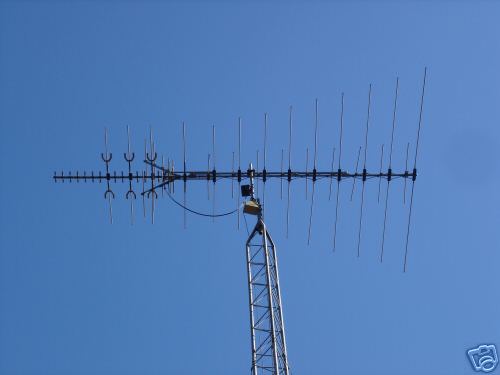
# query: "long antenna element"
{"points": [[364, 168], [184, 176], [129, 158], [389, 171], [339, 173], [264, 170], [239, 168], [289, 175], [414, 174], [314, 170], [214, 172], [107, 158]]}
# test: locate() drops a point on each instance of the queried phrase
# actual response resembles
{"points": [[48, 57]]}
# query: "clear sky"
{"points": [[81, 296]]}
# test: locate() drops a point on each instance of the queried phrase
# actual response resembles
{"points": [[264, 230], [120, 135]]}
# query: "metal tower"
{"points": [[267, 328]]}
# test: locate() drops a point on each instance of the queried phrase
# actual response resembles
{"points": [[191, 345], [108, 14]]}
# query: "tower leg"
{"points": [[267, 328]]}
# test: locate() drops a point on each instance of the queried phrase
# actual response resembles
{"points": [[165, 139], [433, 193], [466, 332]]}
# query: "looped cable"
{"points": [[201, 213]]}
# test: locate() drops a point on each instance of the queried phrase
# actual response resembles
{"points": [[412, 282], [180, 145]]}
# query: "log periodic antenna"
{"points": [[266, 316]]}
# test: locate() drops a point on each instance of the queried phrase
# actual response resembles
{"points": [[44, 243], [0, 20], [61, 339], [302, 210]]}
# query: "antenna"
{"points": [[265, 307]]}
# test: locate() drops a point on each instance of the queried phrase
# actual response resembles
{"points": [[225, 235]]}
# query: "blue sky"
{"points": [[81, 296]]}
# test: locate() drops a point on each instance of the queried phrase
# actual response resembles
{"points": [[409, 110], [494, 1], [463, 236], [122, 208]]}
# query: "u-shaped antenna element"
{"points": [[152, 155], [414, 174], [109, 193], [152, 193], [151, 159], [107, 156], [129, 156]]}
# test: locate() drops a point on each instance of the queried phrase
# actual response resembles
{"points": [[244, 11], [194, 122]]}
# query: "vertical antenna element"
{"points": [[152, 158], [239, 169], [356, 172], [339, 173], [310, 215], [129, 157], [364, 169], [331, 174], [414, 174], [380, 172], [281, 176], [289, 177], [315, 140], [184, 176], [255, 175], [214, 172], [232, 177], [208, 176], [107, 158], [406, 172], [314, 170], [307, 164], [389, 171], [264, 171], [144, 181]]}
